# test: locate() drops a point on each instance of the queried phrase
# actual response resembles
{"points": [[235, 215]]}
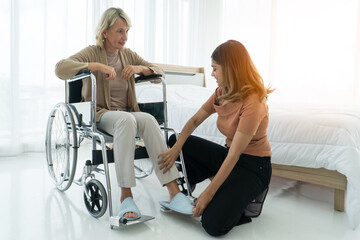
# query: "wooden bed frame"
{"points": [[319, 176]]}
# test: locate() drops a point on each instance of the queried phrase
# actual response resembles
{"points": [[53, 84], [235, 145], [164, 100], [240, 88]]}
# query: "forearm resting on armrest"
{"points": [[94, 66], [67, 68]]}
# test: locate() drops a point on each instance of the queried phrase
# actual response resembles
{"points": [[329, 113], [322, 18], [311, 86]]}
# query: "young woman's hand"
{"points": [[201, 203], [168, 158]]}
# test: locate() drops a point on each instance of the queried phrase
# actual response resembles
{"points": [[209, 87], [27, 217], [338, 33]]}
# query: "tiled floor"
{"points": [[33, 209]]}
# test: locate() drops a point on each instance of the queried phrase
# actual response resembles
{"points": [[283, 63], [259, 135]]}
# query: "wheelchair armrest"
{"points": [[148, 78], [84, 73]]}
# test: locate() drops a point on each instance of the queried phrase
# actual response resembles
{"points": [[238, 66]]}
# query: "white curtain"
{"points": [[35, 35], [38, 33], [308, 50], [183, 32]]}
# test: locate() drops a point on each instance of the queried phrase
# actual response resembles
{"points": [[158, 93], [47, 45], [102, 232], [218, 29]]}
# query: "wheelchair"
{"points": [[73, 121]]}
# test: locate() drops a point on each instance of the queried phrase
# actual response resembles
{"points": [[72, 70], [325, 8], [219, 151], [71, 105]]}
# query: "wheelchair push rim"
{"points": [[61, 146]]}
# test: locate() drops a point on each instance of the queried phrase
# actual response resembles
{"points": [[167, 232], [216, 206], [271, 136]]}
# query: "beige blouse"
{"points": [[119, 86]]}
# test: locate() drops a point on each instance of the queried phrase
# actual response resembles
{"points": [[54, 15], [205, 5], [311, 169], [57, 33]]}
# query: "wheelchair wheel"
{"points": [[61, 146], [97, 203], [143, 167]]}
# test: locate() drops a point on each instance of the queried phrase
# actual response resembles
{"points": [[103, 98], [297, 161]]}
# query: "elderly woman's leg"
{"points": [[122, 125], [149, 130]]}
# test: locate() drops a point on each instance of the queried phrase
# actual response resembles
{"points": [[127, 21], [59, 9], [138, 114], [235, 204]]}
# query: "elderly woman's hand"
{"points": [[108, 71], [130, 70]]}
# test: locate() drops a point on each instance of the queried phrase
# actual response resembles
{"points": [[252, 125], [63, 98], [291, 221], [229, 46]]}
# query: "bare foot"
{"points": [[130, 215]]}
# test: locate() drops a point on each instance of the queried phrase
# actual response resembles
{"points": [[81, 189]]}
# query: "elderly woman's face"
{"points": [[116, 36]]}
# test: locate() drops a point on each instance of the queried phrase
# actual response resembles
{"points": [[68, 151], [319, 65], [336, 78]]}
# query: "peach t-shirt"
{"points": [[249, 116]]}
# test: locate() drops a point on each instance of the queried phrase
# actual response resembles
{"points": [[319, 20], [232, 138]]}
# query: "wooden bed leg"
{"points": [[339, 200]]}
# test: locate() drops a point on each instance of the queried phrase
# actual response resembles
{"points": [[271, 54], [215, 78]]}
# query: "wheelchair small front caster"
{"points": [[96, 204]]}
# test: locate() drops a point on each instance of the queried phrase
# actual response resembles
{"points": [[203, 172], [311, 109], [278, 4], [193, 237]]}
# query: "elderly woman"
{"points": [[117, 111]]}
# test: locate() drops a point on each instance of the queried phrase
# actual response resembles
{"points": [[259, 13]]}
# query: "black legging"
{"points": [[249, 178]]}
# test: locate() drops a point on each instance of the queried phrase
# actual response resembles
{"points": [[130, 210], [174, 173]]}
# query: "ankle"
{"points": [[125, 193], [173, 189]]}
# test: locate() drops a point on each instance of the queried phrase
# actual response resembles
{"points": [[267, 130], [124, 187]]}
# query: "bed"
{"points": [[314, 145]]}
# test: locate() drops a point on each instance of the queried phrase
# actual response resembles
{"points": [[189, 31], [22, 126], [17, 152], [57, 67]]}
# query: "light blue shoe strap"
{"points": [[128, 205]]}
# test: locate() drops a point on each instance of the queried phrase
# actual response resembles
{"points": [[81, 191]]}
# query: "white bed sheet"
{"points": [[183, 101], [305, 137]]}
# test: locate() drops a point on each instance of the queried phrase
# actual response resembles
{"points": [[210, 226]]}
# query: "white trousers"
{"points": [[125, 126]]}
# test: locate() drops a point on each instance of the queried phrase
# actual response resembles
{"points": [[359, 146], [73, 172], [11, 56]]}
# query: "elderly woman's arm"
{"points": [[145, 67], [69, 67]]}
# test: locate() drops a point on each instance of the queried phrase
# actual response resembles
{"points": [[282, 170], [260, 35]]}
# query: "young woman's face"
{"points": [[217, 73], [116, 36]]}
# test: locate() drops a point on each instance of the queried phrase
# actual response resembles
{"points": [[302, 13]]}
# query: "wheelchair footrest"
{"points": [[117, 221]]}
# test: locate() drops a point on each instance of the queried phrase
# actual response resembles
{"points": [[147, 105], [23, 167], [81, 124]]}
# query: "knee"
{"points": [[147, 120], [214, 226], [125, 122], [214, 230]]}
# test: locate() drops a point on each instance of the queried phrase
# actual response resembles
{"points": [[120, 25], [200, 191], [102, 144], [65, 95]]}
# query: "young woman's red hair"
{"points": [[240, 74]]}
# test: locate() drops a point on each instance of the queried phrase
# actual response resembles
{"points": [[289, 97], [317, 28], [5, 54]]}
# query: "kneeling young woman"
{"points": [[241, 170]]}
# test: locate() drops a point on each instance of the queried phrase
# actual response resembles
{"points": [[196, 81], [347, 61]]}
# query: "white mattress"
{"points": [[183, 101], [306, 137]]}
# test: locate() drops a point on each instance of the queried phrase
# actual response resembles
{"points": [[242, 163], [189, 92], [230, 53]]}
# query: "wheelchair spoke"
{"points": [[93, 206], [92, 191], [97, 198], [97, 204]]}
